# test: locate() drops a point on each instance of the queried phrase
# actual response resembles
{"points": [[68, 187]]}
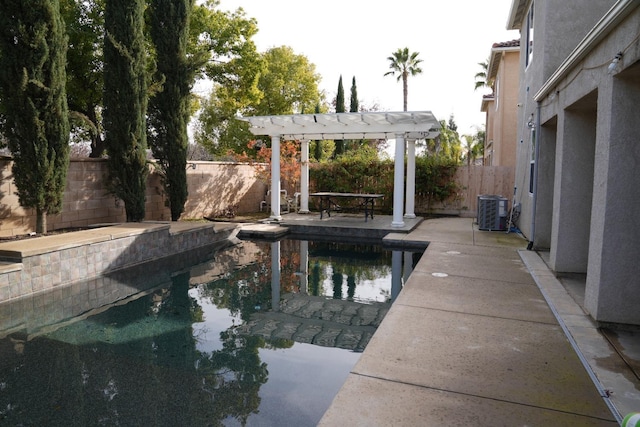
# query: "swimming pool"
{"points": [[262, 333]]}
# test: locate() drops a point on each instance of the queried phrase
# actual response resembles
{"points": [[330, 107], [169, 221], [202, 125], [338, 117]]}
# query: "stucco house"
{"points": [[578, 158], [501, 106]]}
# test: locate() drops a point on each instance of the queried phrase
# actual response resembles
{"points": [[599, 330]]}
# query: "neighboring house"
{"points": [[578, 169], [501, 106]]}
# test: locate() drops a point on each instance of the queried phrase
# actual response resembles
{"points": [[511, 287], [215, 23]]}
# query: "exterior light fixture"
{"points": [[531, 124], [614, 67]]}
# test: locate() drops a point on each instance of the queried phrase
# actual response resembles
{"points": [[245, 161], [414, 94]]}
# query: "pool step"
{"points": [[403, 241], [262, 231]]}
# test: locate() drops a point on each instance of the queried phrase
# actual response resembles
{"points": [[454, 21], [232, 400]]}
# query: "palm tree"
{"points": [[482, 76], [404, 63], [473, 147]]}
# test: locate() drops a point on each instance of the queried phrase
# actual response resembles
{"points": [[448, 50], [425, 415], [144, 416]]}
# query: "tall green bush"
{"points": [[125, 103], [34, 116], [364, 174], [435, 178], [169, 109]]}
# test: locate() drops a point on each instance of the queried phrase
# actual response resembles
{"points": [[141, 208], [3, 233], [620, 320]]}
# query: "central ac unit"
{"points": [[492, 213]]}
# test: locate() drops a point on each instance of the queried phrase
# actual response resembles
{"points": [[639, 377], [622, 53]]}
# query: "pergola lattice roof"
{"points": [[374, 125]]}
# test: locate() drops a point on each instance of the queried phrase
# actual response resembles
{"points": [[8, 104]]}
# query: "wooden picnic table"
{"points": [[329, 200]]}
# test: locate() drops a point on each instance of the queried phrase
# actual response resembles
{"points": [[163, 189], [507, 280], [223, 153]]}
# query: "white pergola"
{"points": [[407, 126]]}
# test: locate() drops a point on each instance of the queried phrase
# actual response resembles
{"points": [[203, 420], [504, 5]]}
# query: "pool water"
{"points": [[263, 333]]}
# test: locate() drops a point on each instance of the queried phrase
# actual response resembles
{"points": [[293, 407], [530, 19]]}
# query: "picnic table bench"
{"points": [[329, 200]]}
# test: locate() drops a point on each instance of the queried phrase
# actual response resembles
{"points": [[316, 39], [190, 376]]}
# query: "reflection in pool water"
{"points": [[242, 339]]}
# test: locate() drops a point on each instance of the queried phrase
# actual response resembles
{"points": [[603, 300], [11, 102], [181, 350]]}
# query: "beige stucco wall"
{"points": [[506, 127], [213, 187], [489, 109], [502, 113]]}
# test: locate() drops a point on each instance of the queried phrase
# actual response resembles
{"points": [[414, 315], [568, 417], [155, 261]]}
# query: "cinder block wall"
{"points": [[217, 186], [213, 188]]}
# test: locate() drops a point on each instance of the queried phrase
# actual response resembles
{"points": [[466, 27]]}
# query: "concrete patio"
{"points": [[484, 334]]}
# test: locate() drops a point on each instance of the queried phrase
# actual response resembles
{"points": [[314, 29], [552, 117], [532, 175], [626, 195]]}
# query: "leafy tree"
{"points": [[233, 66], [406, 64], [213, 34], [216, 128], [470, 149], [480, 137], [85, 85], [220, 42], [447, 145], [289, 162], [125, 103], [279, 82], [474, 146], [452, 125], [169, 108], [340, 108], [289, 83], [34, 115]]}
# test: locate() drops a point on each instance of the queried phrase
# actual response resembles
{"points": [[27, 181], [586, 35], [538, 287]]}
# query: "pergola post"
{"points": [[275, 276], [304, 267], [275, 178], [411, 179], [406, 126], [398, 182], [304, 177]]}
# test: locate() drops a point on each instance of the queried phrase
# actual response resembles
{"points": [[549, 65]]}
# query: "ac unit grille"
{"points": [[492, 213]]}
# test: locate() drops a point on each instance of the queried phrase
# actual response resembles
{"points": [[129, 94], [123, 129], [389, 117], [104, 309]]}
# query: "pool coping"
{"points": [[19, 249], [44, 263]]}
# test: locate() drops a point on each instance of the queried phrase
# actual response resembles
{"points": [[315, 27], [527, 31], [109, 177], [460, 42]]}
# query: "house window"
{"points": [[532, 162], [532, 170], [529, 45]]}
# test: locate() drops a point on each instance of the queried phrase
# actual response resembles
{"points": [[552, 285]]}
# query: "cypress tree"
{"points": [[125, 103], [318, 149], [169, 108], [340, 109], [34, 114], [353, 108], [355, 104]]}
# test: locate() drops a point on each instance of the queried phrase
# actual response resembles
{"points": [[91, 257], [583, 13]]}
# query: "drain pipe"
{"points": [[536, 169]]}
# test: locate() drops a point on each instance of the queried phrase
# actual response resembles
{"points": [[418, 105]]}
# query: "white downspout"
{"points": [[535, 178], [411, 179]]}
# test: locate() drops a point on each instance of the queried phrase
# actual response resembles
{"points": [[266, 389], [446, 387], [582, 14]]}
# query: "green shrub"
{"points": [[364, 174]]}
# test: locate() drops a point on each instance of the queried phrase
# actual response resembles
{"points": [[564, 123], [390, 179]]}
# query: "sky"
{"points": [[355, 38]]}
